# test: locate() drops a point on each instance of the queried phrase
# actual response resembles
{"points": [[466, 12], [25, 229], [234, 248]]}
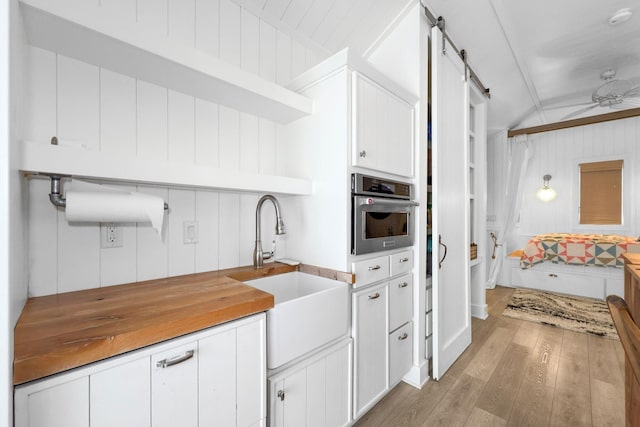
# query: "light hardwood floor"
{"points": [[516, 373]]}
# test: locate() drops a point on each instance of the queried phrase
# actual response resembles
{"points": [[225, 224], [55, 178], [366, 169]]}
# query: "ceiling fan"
{"points": [[618, 94]]}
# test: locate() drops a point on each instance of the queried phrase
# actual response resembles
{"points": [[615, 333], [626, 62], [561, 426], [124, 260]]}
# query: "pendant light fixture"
{"points": [[546, 193]]}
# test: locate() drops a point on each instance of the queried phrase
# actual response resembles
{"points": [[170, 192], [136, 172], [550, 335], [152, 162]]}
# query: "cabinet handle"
{"points": [[553, 275], [165, 363], [375, 267], [363, 153], [403, 337], [374, 296], [403, 285], [281, 395], [404, 260]]}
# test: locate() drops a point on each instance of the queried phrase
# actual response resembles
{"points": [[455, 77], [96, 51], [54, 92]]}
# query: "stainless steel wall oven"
{"points": [[382, 214]]}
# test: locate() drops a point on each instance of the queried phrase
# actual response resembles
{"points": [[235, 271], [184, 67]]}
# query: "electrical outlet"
{"points": [[190, 232], [110, 235]]}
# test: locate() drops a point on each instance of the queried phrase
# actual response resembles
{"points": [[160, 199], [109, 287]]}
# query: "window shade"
{"points": [[601, 192]]}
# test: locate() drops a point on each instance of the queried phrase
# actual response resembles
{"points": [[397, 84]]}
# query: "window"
{"points": [[601, 192]]}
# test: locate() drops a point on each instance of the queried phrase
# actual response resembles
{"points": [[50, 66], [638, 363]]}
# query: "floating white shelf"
{"points": [[80, 163], [81, 32]]}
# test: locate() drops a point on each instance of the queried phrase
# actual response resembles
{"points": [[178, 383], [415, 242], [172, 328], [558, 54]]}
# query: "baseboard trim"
{"points": [[418, 376], [479, 311]]}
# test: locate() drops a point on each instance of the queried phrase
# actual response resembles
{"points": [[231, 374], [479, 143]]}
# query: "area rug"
{"points": [[570, 312]]}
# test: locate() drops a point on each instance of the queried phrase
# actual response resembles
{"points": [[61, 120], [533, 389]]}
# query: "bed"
{"points": [[602, 250]]}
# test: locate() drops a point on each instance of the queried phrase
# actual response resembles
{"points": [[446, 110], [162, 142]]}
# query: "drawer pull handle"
{"points": [[165, 363], [375, 267], [374, 296], [281, 395], [403, 285], [403, 337], [363, 153], [404, 260], [553, 275]]}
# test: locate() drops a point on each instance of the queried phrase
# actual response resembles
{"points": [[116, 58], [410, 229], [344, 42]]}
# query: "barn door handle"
{"points": [[445, 251]]}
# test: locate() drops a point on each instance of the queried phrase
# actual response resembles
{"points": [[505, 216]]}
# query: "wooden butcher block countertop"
{"points": [[64, 331]]}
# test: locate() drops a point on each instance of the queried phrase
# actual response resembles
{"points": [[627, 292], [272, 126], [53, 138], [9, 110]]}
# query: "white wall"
{"points": [[5, 312], [557, 153], [13, 249], [110, 112]]}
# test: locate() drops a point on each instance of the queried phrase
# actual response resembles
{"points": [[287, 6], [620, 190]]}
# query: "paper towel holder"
{"points": [[56, 197]]}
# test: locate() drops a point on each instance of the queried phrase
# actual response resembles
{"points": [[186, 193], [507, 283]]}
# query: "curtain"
{"points": [[520, 153]]}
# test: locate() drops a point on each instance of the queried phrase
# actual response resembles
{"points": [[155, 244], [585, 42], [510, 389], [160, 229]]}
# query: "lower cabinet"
{"points": [[383, 342], [315, 392], [212, 377], [371, 378]]}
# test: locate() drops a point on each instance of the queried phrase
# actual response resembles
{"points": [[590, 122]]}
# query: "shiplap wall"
{"points": [[109, 112], [556, 153]]}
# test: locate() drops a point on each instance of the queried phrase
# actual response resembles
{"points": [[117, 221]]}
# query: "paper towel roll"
{"points": [[106, 204]]}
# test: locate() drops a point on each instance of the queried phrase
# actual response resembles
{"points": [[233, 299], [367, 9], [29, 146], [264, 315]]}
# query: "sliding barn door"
{"points": [[451, 292]]}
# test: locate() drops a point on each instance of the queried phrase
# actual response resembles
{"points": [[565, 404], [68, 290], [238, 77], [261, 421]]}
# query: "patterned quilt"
{"points": [[603, 250]]}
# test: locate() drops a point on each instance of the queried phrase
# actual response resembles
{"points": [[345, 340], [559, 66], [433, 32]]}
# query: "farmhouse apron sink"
{"points": [[309, 311]]}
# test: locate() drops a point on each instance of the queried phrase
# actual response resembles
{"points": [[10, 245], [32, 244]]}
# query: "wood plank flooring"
{"points": [[516, 373]]}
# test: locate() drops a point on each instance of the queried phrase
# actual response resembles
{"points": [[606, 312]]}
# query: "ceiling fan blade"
{"points": [[557, 107], [628, 102], [580, 111], [632, 93]]}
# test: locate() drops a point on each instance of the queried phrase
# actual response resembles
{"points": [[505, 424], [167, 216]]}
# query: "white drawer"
{"points": [[427, 298], [401, 263], [371, 270], [428, 349], [559, 281], [428, 327], [400, 301], [400, 353]]}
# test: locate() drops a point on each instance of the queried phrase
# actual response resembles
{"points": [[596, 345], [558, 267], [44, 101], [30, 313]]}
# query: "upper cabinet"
{"points": [[380, 113], [84, 33], [382, 128]]}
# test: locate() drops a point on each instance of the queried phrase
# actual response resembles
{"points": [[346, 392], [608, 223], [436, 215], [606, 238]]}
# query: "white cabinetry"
{"points": [[65, 404], [314, 392], [382, 327], [133, 396], [371, 363], [174, 386], [327, 138], [212, 377], [382, 128]]}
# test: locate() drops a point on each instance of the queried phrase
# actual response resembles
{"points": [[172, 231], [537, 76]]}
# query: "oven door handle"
{"points": [[445, 251], [373, 202]]}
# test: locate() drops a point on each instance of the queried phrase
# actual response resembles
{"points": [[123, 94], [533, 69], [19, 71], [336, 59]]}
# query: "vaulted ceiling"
{"points": [[541, 59]]}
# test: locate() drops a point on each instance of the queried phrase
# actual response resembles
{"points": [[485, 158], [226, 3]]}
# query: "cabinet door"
{"points": [[400, 353], [217, 379], [382, 129], [395, 134], [371, 340], [365, 138], [314, 393], [120, 396], [251, 373], [400, 301], [290, 409], [174, 387], [63, 405]]}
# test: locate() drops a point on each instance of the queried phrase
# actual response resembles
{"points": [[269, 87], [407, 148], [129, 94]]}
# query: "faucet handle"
{"points": [[269, 255]]}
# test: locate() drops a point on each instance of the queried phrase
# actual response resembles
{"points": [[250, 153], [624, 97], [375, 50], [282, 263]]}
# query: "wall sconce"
{"points": [[546, 193]]}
